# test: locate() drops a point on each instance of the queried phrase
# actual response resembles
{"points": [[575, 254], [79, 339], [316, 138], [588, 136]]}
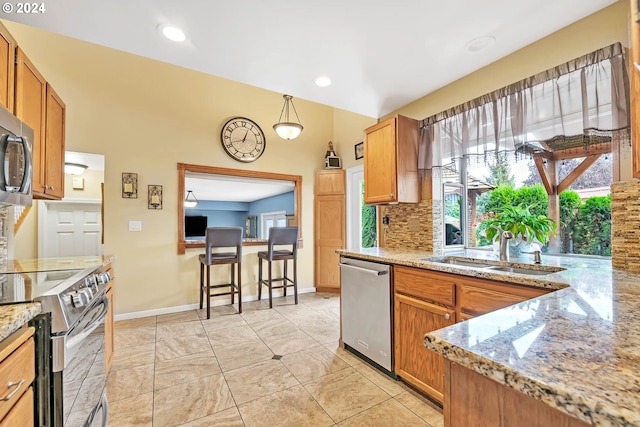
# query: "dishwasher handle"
{"points": [[365, 270]]}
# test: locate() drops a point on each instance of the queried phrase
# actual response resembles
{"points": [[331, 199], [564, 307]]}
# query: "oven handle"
{"points": [[72, 342], [102, 405]]}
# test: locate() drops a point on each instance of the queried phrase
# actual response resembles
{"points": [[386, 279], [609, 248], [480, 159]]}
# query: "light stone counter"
{"points": [[12, 317], [53, 264], [576, 349]]}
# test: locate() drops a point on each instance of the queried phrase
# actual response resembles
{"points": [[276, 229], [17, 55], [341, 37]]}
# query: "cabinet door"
{"points": [[380, 162], [31, 97], [54, 145], [418, 366], [7, 68], [330, 182], [22, 413], [329, 236]]}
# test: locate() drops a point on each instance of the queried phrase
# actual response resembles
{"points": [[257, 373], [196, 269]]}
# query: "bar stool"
{"points": [[279, 236], [222, 237]]}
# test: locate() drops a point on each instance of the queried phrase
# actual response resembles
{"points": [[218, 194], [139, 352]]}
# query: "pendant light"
{"points": [[285, 128], [190, 201]]}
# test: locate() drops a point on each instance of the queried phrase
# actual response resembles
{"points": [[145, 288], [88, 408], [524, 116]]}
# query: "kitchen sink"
{"points": [[490, 265], [527, 271], [466, 262]]}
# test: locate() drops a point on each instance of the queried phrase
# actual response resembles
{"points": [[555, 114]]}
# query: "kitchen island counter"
{"points": [[575, 349], [14, 316]]}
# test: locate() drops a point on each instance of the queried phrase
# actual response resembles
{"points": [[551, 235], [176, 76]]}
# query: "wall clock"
{"points": [[242, 139]]}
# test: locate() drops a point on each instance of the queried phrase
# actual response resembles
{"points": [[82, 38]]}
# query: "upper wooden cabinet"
{"points": [[41, 108], [329, 227], [391, 161], [7, 68], [54, 145], [634, 77]]}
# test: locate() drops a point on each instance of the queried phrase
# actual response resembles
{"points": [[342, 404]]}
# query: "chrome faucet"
{"points": [[504, 241]]}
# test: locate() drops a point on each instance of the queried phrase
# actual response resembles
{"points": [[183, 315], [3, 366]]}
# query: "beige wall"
{"points": [[145, 117], [608, 26]]}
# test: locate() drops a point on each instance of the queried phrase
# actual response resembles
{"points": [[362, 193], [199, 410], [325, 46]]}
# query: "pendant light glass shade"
{"points": [[285, 128], [190, 201]]}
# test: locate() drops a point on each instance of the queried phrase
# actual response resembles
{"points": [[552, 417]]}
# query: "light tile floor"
{"points": [[265, 367]]}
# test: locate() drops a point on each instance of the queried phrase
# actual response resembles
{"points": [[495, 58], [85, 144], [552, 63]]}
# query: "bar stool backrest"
{"points": [[280, 236], [223, 237]]}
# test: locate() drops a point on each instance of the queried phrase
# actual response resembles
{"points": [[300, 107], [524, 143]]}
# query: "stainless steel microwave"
{"points": [[16, 169]]}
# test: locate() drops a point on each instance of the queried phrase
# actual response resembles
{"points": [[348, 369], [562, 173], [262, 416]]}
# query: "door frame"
{"points": [[354, 238], [43, 212]]}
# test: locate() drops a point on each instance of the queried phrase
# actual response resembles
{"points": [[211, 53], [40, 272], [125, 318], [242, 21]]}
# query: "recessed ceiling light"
{"points": [[323, 81], [480, 44], [172, 33]]}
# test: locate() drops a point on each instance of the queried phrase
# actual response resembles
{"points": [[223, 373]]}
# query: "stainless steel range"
{"points": [[76, 299]]}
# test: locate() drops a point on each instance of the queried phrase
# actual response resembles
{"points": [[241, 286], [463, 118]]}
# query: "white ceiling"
{"points": [[381, 55], [234, 189]]}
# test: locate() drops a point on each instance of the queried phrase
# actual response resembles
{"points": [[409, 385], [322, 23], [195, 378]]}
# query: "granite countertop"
{"points": [[576, 349], [53, 264], [12, 317]]}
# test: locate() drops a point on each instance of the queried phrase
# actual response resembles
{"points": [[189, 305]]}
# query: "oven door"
{"points": [[79, 388]]}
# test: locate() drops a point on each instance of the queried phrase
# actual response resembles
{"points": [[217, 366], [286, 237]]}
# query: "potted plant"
{"points": [[526, 227]]}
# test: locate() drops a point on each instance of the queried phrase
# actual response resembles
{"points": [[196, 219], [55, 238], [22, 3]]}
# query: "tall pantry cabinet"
{"points": [[329, 227]]}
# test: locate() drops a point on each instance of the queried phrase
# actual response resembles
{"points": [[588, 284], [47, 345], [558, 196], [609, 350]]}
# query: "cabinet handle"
{"points": [[390, 195], [11, 384], [46, 187], [447, 316], [52, 188]]}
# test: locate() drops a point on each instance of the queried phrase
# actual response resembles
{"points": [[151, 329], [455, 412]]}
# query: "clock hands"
{"points": [[245, 136]]}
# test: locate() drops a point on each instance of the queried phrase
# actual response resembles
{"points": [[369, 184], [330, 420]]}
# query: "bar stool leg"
{"points": [[295, 279], [233, 283], [259, 278], [239, 287], [201, 284], [208, 293], [270, 286], [284, 277]]}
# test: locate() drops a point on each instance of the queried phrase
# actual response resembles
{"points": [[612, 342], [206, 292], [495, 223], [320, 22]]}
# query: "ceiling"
{"points": [[380, 55], [234, 188]]}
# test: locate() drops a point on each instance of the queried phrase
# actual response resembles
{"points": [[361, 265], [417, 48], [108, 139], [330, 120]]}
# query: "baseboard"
{"points": [[214, 303]]}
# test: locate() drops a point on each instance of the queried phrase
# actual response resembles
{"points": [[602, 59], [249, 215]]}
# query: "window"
{"points": [[272, 219]]}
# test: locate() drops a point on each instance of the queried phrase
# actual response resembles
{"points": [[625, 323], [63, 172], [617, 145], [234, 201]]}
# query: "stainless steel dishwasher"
{"points": [[366, 307]]}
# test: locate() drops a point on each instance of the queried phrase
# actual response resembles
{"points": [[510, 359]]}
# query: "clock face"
{"points": [[243, 139]]}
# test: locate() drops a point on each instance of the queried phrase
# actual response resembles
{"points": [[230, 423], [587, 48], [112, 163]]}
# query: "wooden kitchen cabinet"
{"points": [[634, 77], [17, 367], [38, 105], [7, 68], [108, 323], [391, 161], [415, 364], [427, 300], [329, 228]]}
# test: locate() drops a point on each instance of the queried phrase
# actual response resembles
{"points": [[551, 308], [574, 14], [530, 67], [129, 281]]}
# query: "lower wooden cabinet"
{"points": [[17, 372], [415, 364], [22, 412], [425, 301]]}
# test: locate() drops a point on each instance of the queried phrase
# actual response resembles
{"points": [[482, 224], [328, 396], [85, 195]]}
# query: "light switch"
{"points": [[135, 225]]}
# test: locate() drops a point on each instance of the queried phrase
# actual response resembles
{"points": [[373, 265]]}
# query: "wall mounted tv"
{"points": [[195, 226]]}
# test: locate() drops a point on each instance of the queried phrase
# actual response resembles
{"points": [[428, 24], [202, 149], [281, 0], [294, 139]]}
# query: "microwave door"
{"points": [[15, 160]]}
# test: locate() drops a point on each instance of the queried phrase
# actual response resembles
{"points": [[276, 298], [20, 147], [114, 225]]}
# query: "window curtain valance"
{"points": [[584, 101]]}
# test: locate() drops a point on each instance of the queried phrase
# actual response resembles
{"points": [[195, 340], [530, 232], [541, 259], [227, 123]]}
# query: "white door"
{"points": [[71, 229]]}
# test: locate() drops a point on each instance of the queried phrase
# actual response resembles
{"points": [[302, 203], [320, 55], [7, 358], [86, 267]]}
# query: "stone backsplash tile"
{"points": [[625, 226], [414, 225]]}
